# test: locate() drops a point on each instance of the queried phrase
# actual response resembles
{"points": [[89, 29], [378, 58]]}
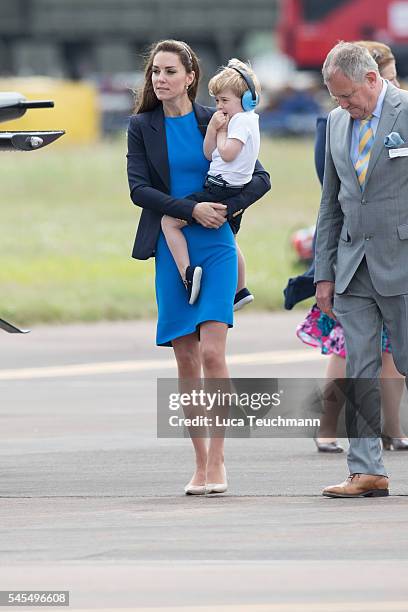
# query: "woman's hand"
{"points": [[210, 214]]}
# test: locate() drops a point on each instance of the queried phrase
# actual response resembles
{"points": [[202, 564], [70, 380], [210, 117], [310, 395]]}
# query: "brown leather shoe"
{"points": [[359, 485]]}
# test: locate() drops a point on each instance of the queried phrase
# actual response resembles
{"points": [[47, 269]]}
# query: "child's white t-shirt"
{"points": [[244, 127]]}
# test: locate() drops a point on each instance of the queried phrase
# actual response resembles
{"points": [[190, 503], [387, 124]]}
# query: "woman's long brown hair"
{"points": [[146, 98], [380, 52]]}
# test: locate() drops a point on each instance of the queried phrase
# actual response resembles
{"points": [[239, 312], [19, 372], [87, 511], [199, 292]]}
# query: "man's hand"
{"points": [[324, 297], [218, 121], [210, 214]]}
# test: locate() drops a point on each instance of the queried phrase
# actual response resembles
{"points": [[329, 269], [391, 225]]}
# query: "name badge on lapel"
{"points": [[398, 152]]}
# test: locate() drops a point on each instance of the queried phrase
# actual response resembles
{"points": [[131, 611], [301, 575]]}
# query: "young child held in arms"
{"points": [[231, 145]]}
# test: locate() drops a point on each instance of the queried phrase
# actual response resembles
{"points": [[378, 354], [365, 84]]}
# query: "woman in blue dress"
{"points": [[165, 164]]}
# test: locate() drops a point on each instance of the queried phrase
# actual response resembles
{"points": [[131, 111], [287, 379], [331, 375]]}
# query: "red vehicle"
{"points": [[308, 29]]}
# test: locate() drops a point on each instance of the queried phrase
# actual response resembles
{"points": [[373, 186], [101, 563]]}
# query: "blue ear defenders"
{"points": [[250, 98]]}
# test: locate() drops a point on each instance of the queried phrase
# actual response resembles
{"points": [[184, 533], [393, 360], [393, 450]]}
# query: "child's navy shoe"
{"points": [[193, 282], [242, 298]]}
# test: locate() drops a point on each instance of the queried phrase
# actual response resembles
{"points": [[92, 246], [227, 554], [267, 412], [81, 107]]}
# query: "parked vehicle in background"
{"points": [[308, 29]]}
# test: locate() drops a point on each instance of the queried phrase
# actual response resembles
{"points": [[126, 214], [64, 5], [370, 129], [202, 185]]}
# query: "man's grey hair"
{"points": [[351, 59]]}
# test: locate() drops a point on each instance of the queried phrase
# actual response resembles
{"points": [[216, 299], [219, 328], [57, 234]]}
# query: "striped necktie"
{"points": [[365, 143]]}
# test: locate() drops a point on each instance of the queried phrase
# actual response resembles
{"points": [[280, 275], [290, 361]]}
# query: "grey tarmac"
{"points": [[92, 501]]}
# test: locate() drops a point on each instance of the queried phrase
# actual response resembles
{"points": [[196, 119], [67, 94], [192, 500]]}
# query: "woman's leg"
{"points": [[187, 353], [336, 368], [213, 338], [241, 268], [176, 242], [392, 387]]}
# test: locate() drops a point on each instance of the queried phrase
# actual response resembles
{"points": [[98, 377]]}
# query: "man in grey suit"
{"points": [[362, 237]]}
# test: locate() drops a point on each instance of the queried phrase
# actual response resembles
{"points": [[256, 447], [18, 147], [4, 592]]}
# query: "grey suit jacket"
{"points": [[373, 222]]}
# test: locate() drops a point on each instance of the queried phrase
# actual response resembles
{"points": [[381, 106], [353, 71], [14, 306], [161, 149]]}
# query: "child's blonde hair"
{"points": [[228, 78]]}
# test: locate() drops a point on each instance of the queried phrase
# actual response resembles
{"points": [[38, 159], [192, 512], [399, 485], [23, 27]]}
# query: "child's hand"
{"points": [[219, 121]]}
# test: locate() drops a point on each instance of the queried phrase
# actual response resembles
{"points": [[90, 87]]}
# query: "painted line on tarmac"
{"points": [[151, 365]]}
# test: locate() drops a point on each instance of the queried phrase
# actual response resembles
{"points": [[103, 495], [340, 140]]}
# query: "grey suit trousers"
{"points": [[361, 311]]}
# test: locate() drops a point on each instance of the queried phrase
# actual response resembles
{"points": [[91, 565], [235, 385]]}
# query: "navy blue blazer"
{"points": [[302, 287], [149, 178]]}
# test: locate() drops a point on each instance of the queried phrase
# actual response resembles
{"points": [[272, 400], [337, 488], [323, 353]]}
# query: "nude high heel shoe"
{"points": [[217, 487], [396, 444], [190, 489], [328, 447]]}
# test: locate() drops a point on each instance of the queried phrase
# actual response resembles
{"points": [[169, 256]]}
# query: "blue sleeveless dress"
{"points": [[212, 249]]}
